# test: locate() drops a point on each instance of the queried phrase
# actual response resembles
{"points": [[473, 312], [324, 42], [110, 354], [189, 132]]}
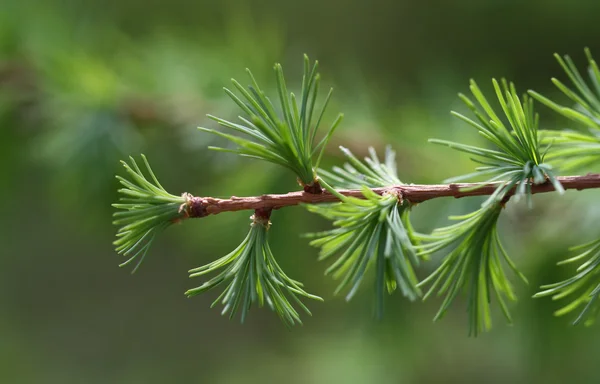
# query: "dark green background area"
{"points": [[85, 84]]}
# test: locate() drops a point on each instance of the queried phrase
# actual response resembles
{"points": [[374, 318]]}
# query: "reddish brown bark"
{"points": [[414, 193]]}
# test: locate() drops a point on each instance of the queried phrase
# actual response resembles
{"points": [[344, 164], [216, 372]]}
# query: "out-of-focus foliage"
{"points": [[584, 282], [116, 78]]}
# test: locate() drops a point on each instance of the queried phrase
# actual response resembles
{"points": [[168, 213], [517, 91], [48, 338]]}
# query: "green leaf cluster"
{"points": [[474, 265], [145, 210], [372, 173], [286, 138], [585, 98], [475, 255], [578, 147], [373, 232], [518, 157], [252, 276]]}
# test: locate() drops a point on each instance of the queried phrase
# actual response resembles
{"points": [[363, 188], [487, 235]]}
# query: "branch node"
{"points": [[262, 216], [505, 200], [395, 191], [313, 188], [193, 206]]}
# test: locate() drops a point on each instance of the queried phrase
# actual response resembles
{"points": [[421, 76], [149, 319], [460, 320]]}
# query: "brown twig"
{"points": [[414, 193]]}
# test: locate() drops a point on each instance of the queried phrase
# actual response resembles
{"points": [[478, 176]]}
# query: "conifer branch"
{"points": [[369, 206], [413, 193]]}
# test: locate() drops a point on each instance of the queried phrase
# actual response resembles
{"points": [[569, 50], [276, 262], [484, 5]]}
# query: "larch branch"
{"points": [[414, 193]]}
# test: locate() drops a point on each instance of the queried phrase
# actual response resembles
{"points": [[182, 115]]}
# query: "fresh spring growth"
{"points": [[373, 232], [283, 134], [145, 210], [517, 158], [474, 266], [286, 138], [474, 261], [579, 147], [252, 276], [585, 107], [372, 173]]}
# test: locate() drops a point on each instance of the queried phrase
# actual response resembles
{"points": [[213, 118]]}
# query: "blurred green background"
{"points": [[85, 84]]}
